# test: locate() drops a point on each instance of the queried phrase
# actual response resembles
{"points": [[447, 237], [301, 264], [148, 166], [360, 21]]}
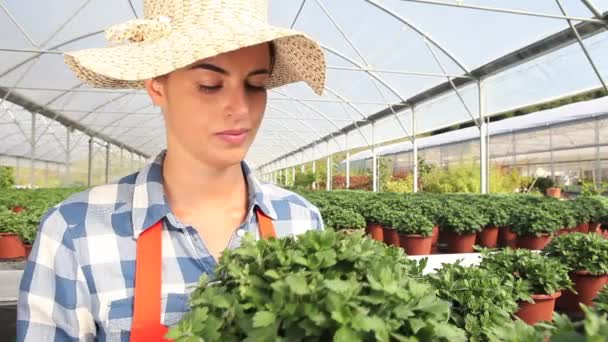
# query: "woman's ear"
{"points": [[156, 90]]}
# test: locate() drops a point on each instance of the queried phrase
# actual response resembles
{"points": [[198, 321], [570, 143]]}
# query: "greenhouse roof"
{"points": [[565, 114], [384, 57]]}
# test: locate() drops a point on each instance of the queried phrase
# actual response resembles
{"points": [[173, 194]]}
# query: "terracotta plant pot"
{"points": [[541, 310], [391, 237], [506, 238], [488, 237], [18, 209], [554, 192], [587, 286], [533, 242], [11, 246], [461, 243], [416, 244], [564, 231], [595, 227], [583, 227], [435, 236], [28, 250], [376, 232]]}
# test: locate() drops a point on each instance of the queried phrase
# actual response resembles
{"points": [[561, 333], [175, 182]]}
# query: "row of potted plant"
{"points": [[465, 220], [328, 285], [20, 214]]}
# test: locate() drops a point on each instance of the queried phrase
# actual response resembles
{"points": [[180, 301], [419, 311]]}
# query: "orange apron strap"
{"points": [[148, 281], [266, 226]]}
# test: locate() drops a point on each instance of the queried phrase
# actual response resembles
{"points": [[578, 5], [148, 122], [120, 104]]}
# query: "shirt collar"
{"points": [[149, 200]]}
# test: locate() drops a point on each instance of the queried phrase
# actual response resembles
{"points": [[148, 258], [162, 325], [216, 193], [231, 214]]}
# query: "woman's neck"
{"points": [[191, 184]]}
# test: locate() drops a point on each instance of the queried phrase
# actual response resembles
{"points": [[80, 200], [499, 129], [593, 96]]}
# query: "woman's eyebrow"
{"points": [[215, 68]]}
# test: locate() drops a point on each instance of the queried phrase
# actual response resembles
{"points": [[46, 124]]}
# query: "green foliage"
{"points": [[481, 300], [461, 218], [399, 185], [600, 303], [410, 223], [324, 286], [518, 331], [496, 208], [543, 275], [465, 178], [534, 220], [7, 177], [578, 251], [304, 180], [588, 208], [339, 218]]}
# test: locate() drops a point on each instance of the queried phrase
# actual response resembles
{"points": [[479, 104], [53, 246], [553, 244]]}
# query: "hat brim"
{"points": [[298, 57]]}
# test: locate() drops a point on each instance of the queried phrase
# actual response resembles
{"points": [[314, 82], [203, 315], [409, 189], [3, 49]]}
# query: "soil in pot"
{"points": [[541, 310], [416, 244], [391, 237], [460, 243], [533, 242], [11, 246], [587, 286], [488, 237], [583, 227], [376, 232], [506, 238]]}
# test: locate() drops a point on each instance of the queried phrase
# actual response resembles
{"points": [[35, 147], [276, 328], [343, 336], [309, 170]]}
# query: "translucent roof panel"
{"points": [[380, 55]]}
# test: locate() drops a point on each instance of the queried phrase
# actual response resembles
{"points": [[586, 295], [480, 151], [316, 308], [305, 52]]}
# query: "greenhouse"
{"points": [[434, 143]]}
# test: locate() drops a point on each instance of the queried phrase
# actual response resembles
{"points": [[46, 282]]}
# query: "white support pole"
{"points": [[329, 178], [68, 157], [597, 153], [415, 149], [46, 174], [132, 163], [17, 170], [374, 160], [107, 163], [293, 176], [33, 150], [552, 165], [90, 167], [483, 135], [514, 145], [347, 163]]}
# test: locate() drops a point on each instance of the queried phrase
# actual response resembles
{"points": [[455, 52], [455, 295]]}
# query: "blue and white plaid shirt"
{"points": [[78, 283]]}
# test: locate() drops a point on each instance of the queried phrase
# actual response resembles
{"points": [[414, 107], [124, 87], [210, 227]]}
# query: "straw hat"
{"points": [[177, 33]]}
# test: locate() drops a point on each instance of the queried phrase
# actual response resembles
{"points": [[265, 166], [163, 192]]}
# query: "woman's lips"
{"points": [[234, 137]]}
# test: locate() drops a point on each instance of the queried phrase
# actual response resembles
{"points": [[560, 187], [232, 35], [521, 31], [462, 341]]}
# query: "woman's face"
{"points": [[214, 107]]}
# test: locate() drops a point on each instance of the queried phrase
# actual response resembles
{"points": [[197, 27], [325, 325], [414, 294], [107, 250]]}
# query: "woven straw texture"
{"points": [[176, 33]]}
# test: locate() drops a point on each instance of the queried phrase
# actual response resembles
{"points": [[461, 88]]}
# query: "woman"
{"points": [[207, 65]]}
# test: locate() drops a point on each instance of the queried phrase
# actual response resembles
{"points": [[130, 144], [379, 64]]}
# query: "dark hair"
{"points": [[273, 55]]}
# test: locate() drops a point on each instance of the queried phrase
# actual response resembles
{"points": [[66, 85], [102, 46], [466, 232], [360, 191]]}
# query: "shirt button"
{"points": [[240, 233]]}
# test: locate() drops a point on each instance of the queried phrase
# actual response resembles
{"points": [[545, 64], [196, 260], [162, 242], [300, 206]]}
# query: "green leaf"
{"points": [[263, 319], [297, 284], [346, 334]]}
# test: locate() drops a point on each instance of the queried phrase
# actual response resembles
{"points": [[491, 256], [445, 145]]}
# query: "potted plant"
{"points": [[322, 286], [481, 300], [342, 219], [415, 232], [565, 213], [498, 216], [429, 206], [545, 277], [586, 209], [391, 236], [534, 226], [586, 257], [374, 212], [11, 246], [462, 223]]}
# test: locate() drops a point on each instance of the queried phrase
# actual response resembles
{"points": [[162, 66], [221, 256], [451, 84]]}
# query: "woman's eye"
{"points": [[255, 87], [209, 89]]}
